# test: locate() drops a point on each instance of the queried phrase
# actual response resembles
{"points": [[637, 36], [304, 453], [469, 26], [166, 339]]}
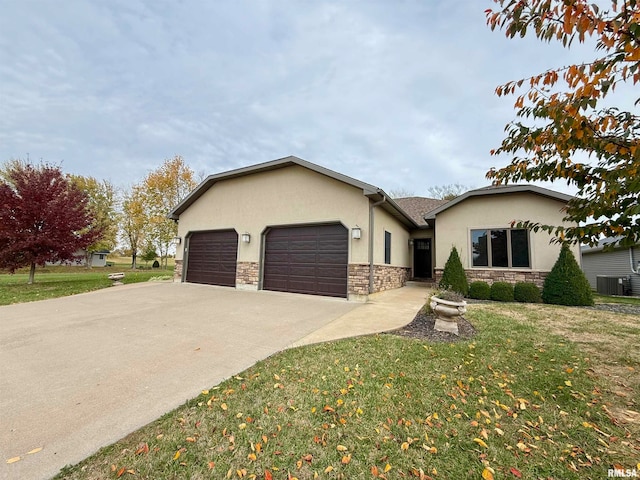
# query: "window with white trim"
{"points": [[500, 248]]}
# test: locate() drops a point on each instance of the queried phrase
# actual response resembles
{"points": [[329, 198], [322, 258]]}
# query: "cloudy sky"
{"points": [[395, 93]]}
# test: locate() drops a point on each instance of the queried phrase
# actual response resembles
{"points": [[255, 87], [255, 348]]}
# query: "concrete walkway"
{"points": [[78, 373], [383, 312]]}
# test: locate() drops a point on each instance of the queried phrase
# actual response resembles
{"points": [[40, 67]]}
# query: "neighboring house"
{"points": [[98, 259], [618, 268], [290, 225]]}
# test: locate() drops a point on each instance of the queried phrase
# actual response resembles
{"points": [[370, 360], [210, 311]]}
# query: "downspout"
{"points": [[371, 207], [636, 271]]}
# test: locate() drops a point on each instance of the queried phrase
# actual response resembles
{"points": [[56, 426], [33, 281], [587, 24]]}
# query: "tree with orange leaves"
{"points": [[570, 135]]}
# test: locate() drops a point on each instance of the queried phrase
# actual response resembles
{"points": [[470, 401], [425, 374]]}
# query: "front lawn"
{"points": [[520, 400], [60, 281]]}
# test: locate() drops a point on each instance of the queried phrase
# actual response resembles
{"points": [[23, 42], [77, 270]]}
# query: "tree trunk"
{"points": [[133, 261], [88, 257], [32, 273]]}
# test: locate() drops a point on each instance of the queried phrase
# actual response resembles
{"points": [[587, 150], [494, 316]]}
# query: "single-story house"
{"points": [[98, 259], [290, 225], [612, 271]]}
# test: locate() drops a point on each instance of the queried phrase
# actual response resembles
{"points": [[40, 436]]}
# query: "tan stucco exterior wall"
{"points": [[453, 226], [400, 253], [287, 196]]}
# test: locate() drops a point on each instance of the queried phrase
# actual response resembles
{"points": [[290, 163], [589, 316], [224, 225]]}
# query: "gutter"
{"points": [[371, 207]]}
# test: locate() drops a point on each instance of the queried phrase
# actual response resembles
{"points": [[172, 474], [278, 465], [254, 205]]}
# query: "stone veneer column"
{"points": [[177, 271], [247, 275]]}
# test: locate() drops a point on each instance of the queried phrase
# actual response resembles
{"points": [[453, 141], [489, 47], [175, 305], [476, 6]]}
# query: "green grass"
{"points": [[614, 299], [60, 281], [517, 399]]}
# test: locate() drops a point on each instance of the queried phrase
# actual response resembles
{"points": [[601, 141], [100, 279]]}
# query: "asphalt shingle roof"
{"points": [[418, 207]]}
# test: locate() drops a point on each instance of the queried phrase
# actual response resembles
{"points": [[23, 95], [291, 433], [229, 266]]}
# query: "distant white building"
{"points": [[615, 271], [98, 259]]}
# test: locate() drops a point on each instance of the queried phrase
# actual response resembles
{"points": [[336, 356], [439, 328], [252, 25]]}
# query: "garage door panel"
{"points": [[310, 259], [212, 258], [296, 258]]}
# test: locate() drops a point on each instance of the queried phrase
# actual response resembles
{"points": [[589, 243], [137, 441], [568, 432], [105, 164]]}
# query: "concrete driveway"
{"points": [[81, 372]]}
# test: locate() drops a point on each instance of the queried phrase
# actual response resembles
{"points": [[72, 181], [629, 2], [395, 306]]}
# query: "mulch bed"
{"points": [[422, 327]]}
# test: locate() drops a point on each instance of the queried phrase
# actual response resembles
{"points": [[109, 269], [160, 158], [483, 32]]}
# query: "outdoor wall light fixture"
{"points": [[177, 240], [246, 238], [356, 233]]}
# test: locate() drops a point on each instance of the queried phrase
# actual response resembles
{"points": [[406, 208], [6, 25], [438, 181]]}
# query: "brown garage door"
{"points": [[212, 258], [310, 259]]}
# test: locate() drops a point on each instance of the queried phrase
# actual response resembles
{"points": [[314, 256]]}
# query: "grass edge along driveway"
{"points": [[515, 402]]}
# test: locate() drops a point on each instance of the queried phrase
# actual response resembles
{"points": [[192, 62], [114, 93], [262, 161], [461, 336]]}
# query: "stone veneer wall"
{"points": [[177, 271], [247, 273], [385, 277], [509, 276]]}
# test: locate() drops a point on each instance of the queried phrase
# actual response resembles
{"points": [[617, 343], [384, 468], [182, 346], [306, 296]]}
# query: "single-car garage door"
{"points": [[212, 258], [307, 259]]}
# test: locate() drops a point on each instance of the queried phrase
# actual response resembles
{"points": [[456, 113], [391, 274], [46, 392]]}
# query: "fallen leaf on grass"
{"points": [[480, 442], [487, 475], [346, 459], [516, 472], [143, 448]]}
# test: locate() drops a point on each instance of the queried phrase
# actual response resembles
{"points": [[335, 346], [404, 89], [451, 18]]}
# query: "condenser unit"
{"points": [[610, 285]]}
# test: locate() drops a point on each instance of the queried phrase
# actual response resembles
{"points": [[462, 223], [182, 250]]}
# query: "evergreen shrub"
{"points": [[566, 283], [480, 290], [453, 276], [502, 292], [526, 292]]}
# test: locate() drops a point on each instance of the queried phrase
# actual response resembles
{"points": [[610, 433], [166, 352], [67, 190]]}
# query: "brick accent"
{"points": [[385, 277], [177, 271], [498, 275], [247, 273]]}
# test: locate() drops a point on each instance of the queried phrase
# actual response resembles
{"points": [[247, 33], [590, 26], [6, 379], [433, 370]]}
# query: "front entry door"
{"points": [[422, 258]]}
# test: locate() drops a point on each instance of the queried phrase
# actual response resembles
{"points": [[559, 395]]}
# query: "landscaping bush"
{"points": [[156, 264], [566, 283], [480, 290], [502, 292], [526, 292], [453, 276]]}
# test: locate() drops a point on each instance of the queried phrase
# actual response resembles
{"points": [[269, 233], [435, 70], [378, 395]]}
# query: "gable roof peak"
{"points": [[501, 189]]}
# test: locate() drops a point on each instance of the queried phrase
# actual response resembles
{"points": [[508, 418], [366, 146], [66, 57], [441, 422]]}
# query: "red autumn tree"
{"points": [[43, 217], [569, 128]]}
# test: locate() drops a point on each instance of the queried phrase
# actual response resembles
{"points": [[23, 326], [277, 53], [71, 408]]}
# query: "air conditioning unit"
{"points": [[609, 285]]}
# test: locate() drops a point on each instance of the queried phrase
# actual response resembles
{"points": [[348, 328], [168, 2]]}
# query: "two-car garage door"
{"points": [[301, 259]]}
